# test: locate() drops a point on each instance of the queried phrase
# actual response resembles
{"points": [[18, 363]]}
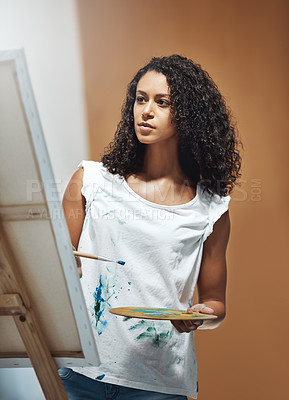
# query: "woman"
{"points": [[159, 201]]}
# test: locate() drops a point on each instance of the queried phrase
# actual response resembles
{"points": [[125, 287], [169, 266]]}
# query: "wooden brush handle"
{"points": [[80, 254]]}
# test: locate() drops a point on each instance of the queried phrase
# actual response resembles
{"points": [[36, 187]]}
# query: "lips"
{"points": [[146, 125]]}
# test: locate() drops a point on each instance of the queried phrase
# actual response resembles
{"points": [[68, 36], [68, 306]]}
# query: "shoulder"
{"points": [[73, 189], [89, 165], [93, 172], [78, 175], [215, 208], [211, 199]]}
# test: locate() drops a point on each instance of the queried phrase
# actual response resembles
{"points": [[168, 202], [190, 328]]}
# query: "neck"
{"points": [[161, 160]]}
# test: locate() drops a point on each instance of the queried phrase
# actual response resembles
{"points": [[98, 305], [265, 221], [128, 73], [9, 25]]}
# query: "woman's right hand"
{"points": [[78, 263]]}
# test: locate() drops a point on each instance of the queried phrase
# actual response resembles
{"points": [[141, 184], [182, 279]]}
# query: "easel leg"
{"points": [[40, 357]]}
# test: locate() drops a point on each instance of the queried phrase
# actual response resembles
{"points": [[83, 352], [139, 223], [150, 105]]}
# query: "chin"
{"points": [[148, 140], [151, 140]]}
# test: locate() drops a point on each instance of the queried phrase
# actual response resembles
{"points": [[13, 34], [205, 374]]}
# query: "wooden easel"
{"points": [[14, 301]]}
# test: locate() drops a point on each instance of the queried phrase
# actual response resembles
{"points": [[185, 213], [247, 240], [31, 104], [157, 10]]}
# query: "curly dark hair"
{"points": [[208, 143]]}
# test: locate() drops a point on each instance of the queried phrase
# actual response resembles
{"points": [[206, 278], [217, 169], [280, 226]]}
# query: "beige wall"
{"points": [[244, 46]]}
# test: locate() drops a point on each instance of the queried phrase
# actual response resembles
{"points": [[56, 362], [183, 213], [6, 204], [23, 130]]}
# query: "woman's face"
{"points": [[152, 111]]}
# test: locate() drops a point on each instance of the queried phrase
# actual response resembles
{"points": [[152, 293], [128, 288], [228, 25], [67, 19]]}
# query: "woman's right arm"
{"points": [[74, 209]]}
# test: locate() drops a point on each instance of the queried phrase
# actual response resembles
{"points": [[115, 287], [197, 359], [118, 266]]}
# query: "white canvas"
{"points": [[34, 225]]}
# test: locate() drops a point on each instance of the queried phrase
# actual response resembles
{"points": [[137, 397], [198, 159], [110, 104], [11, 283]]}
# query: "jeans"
{"points": [[80, 387]]}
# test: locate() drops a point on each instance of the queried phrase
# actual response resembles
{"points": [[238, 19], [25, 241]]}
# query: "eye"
{"points": [[164, 103], [140, 99]]}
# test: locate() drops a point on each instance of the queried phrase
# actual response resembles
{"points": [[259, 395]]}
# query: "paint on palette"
{"points": [[157, 311], [160, 313]]}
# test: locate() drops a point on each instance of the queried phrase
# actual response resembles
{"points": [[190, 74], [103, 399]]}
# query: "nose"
{"points": [[148, 111]]}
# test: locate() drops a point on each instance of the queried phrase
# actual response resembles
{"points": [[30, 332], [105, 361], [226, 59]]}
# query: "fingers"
{"points": [[78, 261], [192, 326], [186, 326], [79, 272], [78, 264], [202, 308]]}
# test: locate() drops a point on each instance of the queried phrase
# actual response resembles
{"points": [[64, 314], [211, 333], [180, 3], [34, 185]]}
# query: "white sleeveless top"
{"points": [[162, 249]]}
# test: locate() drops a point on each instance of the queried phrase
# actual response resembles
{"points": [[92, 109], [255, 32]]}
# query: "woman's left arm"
{"points": [[212, 279], [213, 274]]}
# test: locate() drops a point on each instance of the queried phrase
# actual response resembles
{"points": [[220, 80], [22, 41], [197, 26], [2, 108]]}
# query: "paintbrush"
{"points": [[100, 258]]}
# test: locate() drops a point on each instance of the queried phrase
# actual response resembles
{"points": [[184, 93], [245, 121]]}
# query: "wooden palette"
{"points": [[159, 313]]}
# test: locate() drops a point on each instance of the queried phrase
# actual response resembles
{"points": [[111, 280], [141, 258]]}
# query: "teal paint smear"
{"points": [[112, 215], [126, 318], [115, 198], [157, 339], [137, 325]]}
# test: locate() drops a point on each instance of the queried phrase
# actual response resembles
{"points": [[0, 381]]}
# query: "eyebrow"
{"points": [[157, 95]]}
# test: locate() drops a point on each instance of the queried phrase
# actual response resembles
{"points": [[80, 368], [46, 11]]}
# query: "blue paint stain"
{"points": [[129, 283], [100, 305], [100, 377], [98, 302], [179, 256]]}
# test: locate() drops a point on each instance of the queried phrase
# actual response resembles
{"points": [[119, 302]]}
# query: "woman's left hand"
{"points": [[191, 325]]}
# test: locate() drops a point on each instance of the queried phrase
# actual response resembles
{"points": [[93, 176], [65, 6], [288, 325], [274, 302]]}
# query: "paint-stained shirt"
{"points": [[162, 248]]}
